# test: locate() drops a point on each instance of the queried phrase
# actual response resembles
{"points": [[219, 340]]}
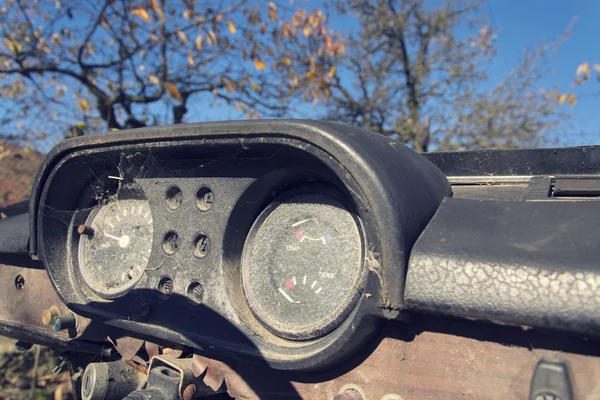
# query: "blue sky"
{"points": [[528, 22]]}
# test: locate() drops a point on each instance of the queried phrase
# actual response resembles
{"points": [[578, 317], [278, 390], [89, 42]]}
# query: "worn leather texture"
{"points": [[534, 264]]}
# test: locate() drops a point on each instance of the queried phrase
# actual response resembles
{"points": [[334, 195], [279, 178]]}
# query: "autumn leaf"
{"points": [[154, 79], [182, 36], [158, 10], [199, 42], [231, 27], [173, 91], [583, 70], [259, 64], [212, 38], [562, 98], [256, 87], [187, 14], [331, 72], [190, 59], [571, 99], [142, 13], [83, 104], [272, 11], [286, 61], [306, 31]]}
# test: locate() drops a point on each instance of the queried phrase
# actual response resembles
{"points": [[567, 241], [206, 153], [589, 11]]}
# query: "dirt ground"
{"points": [[17, 369]]}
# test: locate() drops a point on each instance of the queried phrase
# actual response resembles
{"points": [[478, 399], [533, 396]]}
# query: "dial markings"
{"points": [[304, 280], [318, 290], [313, 284], [294, 280], [300, 222]]}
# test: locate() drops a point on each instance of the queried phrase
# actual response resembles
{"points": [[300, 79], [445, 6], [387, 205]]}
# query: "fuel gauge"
{"points": [[302, 266]]}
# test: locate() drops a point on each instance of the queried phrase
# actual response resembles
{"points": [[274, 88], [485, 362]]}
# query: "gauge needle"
{"points": [[287, 296], [123, 240]]}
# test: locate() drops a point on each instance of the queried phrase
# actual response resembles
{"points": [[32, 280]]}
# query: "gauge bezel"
{"points": [[326, 325], [80, 259]]}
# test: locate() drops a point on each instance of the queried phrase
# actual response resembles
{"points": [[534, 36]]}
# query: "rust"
{"points": [[189, 393], [143, 369], [152, 349], [217, 372], [176, 353], [127, 346]]}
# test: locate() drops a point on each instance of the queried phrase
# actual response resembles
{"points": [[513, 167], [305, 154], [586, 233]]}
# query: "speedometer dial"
{"points": [[302, 266], [115, 246]]}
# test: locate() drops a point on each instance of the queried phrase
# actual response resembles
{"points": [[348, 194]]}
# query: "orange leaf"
{"points": [[173, 91], [571, 99], [231, 27], [158, 10], [154, 79], [142, 13], [562, 98], [199, 42], [182, 36], [272, 11], [331, 73], [259, 64]]}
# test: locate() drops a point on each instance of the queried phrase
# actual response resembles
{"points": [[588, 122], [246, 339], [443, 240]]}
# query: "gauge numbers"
{"points": [[115, 247]]}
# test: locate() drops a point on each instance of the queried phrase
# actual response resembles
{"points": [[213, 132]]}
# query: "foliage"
{"points": [[113, 64], [408, 69], [415, 76]]}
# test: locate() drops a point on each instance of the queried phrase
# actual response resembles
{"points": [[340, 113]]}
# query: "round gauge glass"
{"points": [[115, 247], [302, 266]]}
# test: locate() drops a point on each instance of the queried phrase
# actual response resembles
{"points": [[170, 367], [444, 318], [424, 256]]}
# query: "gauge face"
{"points": [[115, 246], [302, 266]]}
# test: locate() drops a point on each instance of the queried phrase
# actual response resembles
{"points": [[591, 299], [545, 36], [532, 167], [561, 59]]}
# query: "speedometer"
{"points": [[115, 246], [302, 266]]}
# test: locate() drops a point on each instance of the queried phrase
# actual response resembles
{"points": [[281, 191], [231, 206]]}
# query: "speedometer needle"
{"points": [[123, 240]]}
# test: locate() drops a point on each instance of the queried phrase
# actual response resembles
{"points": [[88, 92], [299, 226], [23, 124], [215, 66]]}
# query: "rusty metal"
{"points": [[215, 373], [175, 353], [85, 230], [126, 346], [152, 349], [187, 377], [22, 311], [189, 393], [142, 368]]}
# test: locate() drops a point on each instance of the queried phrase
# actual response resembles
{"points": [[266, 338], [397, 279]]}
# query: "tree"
{"points": [[410, 73], [75, 66]]}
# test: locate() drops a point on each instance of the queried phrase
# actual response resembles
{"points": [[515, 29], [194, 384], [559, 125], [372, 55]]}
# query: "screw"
{"points": [[208, 198], [19, 282], [202, 246], [195, 293], [85, 230]]}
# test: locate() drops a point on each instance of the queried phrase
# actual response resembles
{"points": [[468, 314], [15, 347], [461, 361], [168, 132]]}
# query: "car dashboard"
{"points": [[325, 254]]}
